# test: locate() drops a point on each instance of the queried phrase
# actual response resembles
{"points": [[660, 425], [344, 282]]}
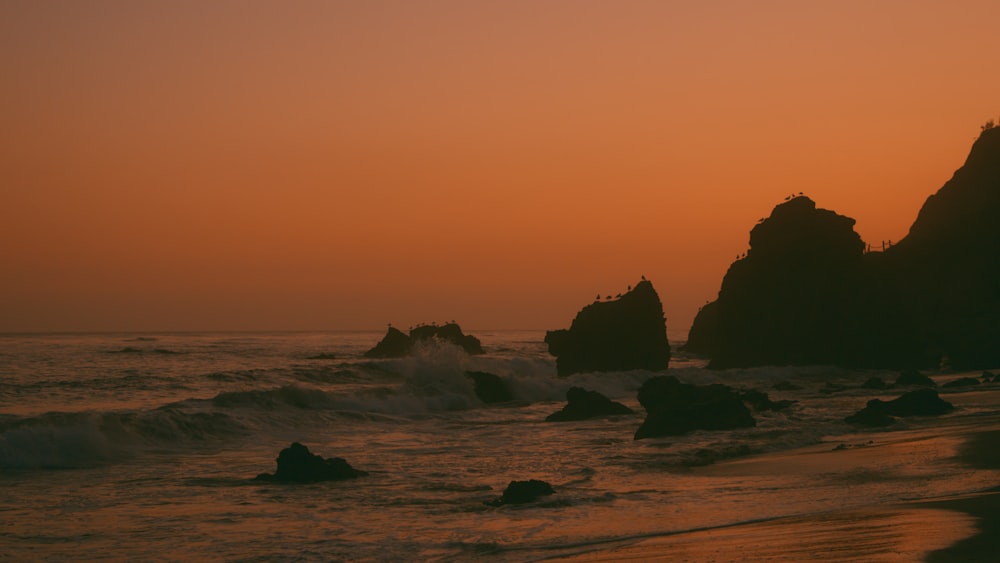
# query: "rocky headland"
{"points": [[809, 291]]}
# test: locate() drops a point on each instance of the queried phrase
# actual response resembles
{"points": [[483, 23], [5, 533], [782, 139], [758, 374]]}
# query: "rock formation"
{"points": [[627, 333], [296, 464], [922, 402], [807, 293], [521, 492], [948, 267], [396, 344], [489, 387], [582, 404], [674, 408]]}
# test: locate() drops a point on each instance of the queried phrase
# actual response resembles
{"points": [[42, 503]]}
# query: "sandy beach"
{"points": [[952, 528]]}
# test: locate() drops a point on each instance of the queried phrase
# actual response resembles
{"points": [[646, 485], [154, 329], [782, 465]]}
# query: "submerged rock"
{"points": [[627, 333], [396, 344], [489, 387], [675, 408], [296, 464], [521, 492], [582, 404]]}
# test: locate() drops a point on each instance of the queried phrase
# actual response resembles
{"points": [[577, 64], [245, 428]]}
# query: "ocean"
{"points": [[145, 447]]}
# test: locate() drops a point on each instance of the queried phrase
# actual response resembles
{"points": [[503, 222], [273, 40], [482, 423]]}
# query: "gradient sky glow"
{"points": [[340, 165]]}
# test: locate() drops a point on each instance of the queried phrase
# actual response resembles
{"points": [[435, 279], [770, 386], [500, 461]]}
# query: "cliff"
{"points": [[626, 333], [948, 267], [806, 293]]}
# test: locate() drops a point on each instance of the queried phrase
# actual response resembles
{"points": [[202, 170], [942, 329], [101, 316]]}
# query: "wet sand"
{"points": [[944, 529]]}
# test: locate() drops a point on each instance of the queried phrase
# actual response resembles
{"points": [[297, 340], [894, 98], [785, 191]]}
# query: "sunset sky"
{"points": [[275, 165]]}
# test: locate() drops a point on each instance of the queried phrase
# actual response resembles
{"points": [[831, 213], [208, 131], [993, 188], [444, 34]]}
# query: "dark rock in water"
{"points": [[874, 383], [675, 408], [521, 492], [126, 350], [582, 404], [988, 377], [829, 387], [323, 356], [961, 382], [489, 387], [296, 464], [396, 344], [785, 386], [870, 417], [913, 377], [625, 334], [922, 402], [760, 402]]}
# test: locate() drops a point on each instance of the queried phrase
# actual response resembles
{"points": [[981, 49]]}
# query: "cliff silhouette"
{"points": [[627, 333], [806, 292]]}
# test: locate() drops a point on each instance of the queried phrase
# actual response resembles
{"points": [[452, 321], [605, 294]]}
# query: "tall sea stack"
{"points": [[627, 333]]}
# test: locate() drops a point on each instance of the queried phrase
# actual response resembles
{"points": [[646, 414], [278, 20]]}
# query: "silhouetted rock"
{"points": [[582, 404], [521, 492], [489, 387], [913, 377], [675, 408], [625, 334], [396, 344], [988, 377], [921, 402], [874, 383], [805, 293], [947, 268], [296, 464], [870, 417], [760, 402], [786, 386], [961, 382]]}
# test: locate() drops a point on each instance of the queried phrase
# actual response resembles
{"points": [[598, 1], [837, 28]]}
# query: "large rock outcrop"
{"points": [[807, 292], [626, 333], [396, 344], [948, 267]]}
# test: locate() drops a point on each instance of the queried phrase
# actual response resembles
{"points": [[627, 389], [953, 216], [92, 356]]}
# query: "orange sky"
{"points": [[338, 165]]}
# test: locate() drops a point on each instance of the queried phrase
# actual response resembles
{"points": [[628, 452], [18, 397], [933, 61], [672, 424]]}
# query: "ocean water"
{"points": [[145, 446]]}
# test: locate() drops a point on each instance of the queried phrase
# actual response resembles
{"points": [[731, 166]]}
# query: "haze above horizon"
{"points": [[192, 166]]}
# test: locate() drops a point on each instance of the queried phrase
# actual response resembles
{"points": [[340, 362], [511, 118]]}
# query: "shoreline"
{"points": [[962, 527]]}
